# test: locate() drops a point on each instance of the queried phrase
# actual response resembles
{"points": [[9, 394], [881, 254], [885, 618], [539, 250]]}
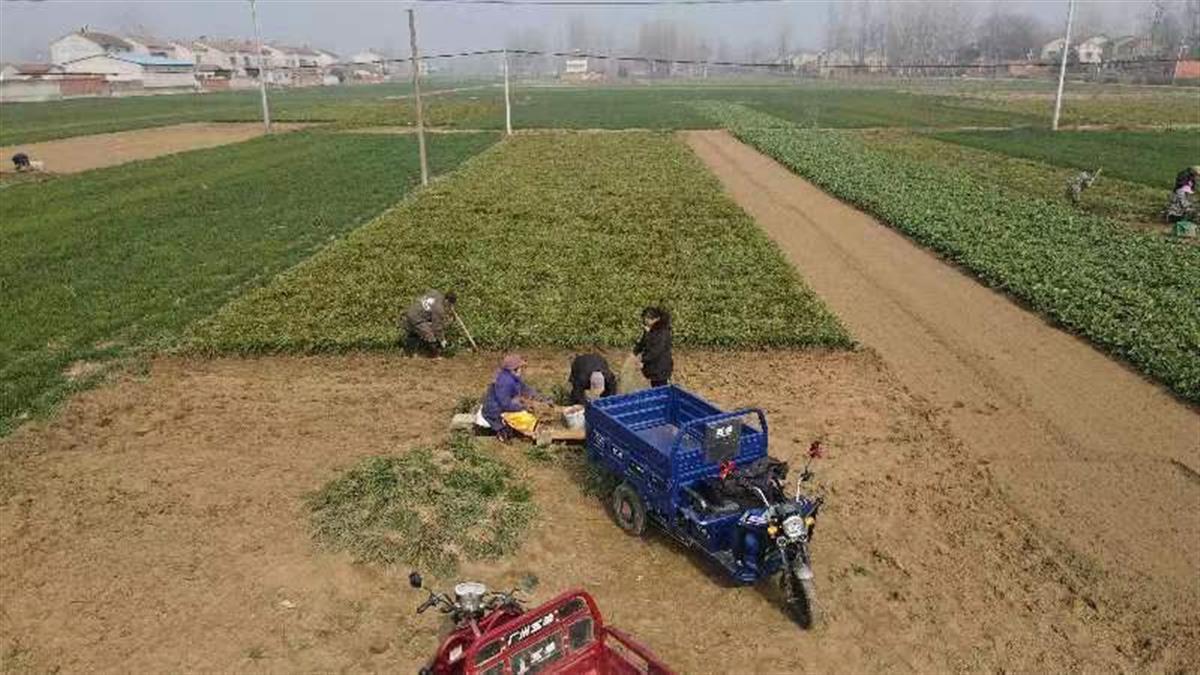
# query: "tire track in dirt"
{"points": [[1081, 445]]}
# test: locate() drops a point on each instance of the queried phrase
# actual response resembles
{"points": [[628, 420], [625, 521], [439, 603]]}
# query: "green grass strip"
{"points": [[555, 240], [1134, 294]]}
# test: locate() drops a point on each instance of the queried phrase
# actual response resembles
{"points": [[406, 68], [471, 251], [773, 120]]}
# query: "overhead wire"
{"points": [[764, 64]]}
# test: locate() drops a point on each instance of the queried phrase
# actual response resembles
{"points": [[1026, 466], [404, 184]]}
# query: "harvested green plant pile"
{"points": [[1133, 293], [555, 240], [430, 508]]}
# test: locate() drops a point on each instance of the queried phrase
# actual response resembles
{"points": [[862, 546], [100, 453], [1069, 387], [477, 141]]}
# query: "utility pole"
{"points": [[262, 70], [507, 102], [1062, 68], [416, 75]]}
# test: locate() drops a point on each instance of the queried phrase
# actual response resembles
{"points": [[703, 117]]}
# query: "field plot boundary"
{"points": [[1049, 417], [1122, 289], [83, 153], [107, 264], [592, 228]]}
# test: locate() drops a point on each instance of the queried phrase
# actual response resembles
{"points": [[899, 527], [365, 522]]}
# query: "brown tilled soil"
{"points": [[158, 525], [1092, 455], [71, 155]]}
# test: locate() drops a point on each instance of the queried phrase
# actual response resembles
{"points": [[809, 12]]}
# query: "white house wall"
{"points": [[115, 70], [154, 79], [72, 47]]}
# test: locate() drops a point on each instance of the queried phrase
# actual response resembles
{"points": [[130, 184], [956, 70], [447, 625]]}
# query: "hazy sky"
{"points": [[346, 26]]}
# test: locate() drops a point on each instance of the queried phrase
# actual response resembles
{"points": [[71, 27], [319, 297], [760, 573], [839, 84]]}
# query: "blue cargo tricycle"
{"points": [[704, 477]]}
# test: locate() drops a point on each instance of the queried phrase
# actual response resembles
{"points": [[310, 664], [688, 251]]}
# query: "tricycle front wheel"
{"points": [[800, 597], [628, 509]]}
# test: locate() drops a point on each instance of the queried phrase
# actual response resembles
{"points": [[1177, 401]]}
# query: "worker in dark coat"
{"points": [[424, 323], [1189, 176], [654, 347], [590, 378]]}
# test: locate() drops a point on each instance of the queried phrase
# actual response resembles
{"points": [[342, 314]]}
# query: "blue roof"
{"points": [[150, 59]]}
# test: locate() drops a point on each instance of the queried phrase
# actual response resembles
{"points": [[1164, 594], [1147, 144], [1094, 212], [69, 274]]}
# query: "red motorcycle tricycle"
{"points": [[495, 635]]}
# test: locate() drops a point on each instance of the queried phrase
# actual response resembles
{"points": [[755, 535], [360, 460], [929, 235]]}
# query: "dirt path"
{"points": [[158, 525], [1100, 459], [71, 155]]}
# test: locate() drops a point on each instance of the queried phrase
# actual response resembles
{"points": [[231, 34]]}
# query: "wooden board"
{"points": [[559, 435]]}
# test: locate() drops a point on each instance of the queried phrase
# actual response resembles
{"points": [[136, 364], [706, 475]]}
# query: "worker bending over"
{"points": [[1082, 181], [1182, 206], [590, 379], [425, 323]]}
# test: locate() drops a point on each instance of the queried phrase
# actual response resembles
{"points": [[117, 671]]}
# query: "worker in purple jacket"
{"points": [[508, 393]]}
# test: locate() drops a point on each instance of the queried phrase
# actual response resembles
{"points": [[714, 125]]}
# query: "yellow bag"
{"points": [[522, 422]]}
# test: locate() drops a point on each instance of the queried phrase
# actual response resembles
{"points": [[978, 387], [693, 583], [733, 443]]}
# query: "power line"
{"points": [[845, 66], [602, 3], [767, 64]]}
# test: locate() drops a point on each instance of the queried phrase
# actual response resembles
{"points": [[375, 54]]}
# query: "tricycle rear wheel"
{"points": [[628, 510]]}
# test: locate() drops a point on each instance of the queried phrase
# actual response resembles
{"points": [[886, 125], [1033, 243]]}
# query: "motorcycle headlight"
{"points": [[469, 595], [795, 528]]}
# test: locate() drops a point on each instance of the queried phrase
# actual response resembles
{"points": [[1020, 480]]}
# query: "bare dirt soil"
{"points": [[71, 155], [158, 525], [1094, 456]]}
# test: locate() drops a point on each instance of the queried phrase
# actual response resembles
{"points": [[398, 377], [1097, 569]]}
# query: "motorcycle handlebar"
{"points": [[491, 599]]}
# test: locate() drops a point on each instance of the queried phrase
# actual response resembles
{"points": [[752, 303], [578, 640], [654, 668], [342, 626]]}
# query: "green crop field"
{"points": [[555, 240], [1148, 157], [668, 107], [350, 105], [660, 106], [1130, 292], [1132, 203], [101, 264]]}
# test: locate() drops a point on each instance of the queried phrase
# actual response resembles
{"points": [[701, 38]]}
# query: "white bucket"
{"points": [[573, 417]]}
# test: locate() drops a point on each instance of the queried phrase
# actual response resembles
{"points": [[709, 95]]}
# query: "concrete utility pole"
{"points": [[416, 75], [1062, 68], [507, 102], [262, 70]]}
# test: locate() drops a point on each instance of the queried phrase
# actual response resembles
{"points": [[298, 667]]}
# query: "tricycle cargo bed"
{"points": [[665, 438]]}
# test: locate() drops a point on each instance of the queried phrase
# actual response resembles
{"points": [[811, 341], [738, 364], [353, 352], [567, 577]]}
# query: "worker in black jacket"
{"points": [[654, 347], [591, 378]]}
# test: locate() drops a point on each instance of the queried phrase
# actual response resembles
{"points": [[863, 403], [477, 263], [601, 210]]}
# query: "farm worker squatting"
{"points": [[22, 162], [505, 403], [425, 322]]}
